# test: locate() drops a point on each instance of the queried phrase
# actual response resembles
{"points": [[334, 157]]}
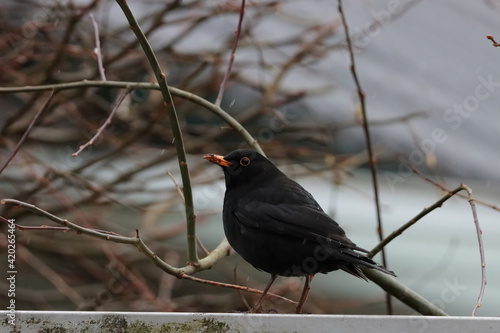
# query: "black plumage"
{"points": [[278, 227]]}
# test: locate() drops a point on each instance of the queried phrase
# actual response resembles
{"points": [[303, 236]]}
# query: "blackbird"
{"points": [[278, 227]]}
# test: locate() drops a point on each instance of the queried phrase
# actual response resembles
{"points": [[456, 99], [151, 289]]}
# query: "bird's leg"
{"points": [[259, 302], [305, 292]]}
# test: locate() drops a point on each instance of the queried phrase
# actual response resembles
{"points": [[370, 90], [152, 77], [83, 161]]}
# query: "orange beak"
{"points": [[217, 159]]}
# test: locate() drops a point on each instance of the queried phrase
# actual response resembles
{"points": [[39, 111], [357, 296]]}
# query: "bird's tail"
{"points": [[356, 259]]}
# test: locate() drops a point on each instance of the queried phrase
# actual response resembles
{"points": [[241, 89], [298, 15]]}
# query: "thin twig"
{"points": [[444, 188], [371, 157], [235, 286], [179, 189], [44, 227], [243, 299], [495, 44], [479, 233], [97, 234], [201, 246], [181, 194], [97, 50], [106, 123], [27, 132], [478, 230], [233, 55], [414, 220]]}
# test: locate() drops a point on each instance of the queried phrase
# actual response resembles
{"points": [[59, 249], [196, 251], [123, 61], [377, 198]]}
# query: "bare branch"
{"points": [[249, 139], [495, 44], [97, 50], [182, 273], [407, 296], [233, 55], [106, 123], [478, 231], [414, 220], [235, 286], [371, 158], [179, 189], [176, 130], [27, 132]]}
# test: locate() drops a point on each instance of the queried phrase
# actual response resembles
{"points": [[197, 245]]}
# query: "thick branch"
{"points": [[233, 123], [403, 293], [174, 121]]}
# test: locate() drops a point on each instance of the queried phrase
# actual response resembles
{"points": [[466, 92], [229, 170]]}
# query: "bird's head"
{"points": [[244, 166]]}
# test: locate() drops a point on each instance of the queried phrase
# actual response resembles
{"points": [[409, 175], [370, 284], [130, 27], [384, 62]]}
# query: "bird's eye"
{"points": [[245, 161]]}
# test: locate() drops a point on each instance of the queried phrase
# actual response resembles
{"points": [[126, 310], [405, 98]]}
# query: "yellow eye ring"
{"points": [[245, 161]]}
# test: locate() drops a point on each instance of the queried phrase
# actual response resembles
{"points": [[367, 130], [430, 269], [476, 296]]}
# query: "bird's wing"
{"points": [[302, 221]]}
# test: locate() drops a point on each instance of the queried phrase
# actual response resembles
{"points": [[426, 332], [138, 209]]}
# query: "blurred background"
{"points": [[432, 84]]}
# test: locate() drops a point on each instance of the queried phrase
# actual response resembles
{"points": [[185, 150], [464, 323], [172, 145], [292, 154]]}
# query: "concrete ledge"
{"points": [[134, 322]]}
